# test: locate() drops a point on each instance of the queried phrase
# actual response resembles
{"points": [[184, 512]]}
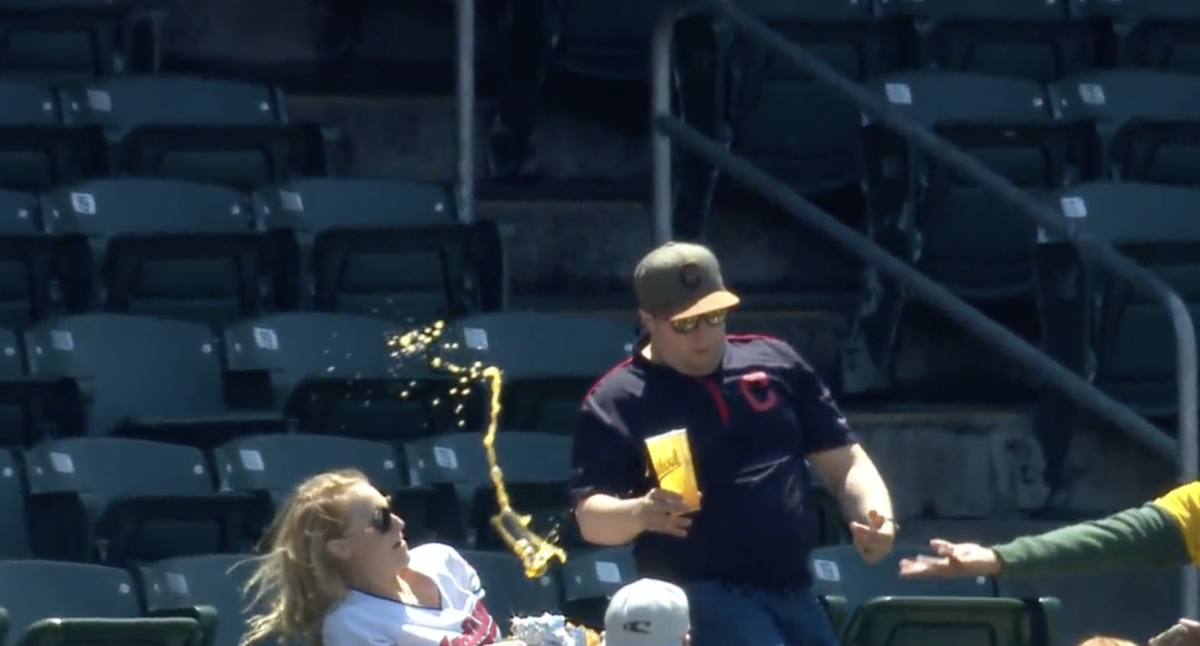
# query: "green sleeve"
{"points": [[1141, 536]]}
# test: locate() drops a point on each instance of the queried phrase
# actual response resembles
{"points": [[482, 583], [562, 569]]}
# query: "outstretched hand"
{"points": [[951, 560], [873, 539]]}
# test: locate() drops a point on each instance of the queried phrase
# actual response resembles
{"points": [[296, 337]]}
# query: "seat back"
{"points": [[1029, 39], [974, 243], [610, 42], [36, 150], [507, 592], [131, 498], [1131, 336], [379, 248], [800, 131], [202, 130], [131, 368], [1144, 141], [904, 621], [333, 373], [14, 540], [1152, 34], [158, 247], [37, 590], [277, 464], [547, 368], [214, 580], [25, 261], [67, 40]]}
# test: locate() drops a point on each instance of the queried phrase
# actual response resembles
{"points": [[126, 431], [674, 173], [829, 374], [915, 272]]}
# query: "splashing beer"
{"points": [[536, 552]]}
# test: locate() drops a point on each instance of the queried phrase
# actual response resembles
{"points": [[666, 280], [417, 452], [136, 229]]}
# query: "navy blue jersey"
{"points": [[750, 424]]}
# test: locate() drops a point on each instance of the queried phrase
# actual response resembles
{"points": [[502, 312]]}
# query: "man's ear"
{"points": [[338, 548]]}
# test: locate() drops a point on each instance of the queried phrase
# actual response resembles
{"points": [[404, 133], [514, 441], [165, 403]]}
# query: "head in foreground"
{"points": [[334, 533], [647, 612], [682, 306]]}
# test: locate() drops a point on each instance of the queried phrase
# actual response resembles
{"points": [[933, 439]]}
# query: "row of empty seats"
{"points": [[169, 380], [859, 599], [212, 254]]}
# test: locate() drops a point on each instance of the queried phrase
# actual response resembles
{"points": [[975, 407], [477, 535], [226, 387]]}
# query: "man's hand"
{"points": [[874, 539], [952, 560], [662, 511]]}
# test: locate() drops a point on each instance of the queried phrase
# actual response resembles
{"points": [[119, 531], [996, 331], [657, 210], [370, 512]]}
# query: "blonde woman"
{"points": [[338, 572]]}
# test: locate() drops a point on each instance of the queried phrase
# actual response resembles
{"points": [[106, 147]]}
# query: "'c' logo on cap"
{"points": [[642, 627], [690, 276]]}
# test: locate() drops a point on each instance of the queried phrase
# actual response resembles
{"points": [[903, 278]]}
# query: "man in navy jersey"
{"points": [[757, 418]]}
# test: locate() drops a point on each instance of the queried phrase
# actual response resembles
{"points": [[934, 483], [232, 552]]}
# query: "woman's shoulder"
{"points": [[438, 555]]}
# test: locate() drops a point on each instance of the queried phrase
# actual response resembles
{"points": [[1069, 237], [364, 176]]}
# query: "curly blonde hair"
{"points": [[296, 582]]}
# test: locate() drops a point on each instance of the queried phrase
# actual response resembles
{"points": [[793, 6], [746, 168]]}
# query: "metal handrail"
{"points": [[464, 103], [1185, 453]]}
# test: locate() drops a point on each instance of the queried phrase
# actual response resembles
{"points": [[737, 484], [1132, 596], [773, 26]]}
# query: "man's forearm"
{"points": [[607, 520], [864, 491]]}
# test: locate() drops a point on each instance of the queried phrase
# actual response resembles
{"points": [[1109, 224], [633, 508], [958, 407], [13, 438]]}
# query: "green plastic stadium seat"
{"points": [[36, 150], [158, 247], [535, 469], [14, 540], [66, 40], [1151, 34], [143, 377], [590, 578], [26, 254], [1141, 141], [547, 371], [332, 374], [115, 499], [386, 249], [507, 592], [32, 408], [53, 603], [904, 621], [1029, 39], [197, 129], [207, 587], [272, 466]]}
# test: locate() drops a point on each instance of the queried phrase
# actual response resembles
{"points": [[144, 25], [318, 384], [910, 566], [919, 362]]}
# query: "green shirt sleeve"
{"points": [[1141, 536]]}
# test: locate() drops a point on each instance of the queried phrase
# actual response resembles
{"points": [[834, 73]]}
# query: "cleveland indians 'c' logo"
{"points": [[756, 388], [690, 276]]}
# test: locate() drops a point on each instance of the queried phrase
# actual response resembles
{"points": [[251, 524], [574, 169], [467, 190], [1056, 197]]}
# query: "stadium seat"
{"points": [[142, 377], [273, 465], [197, 585], [971, 241], [75, 604], [802, 132], [36, 150], [1096, 323], [26, 253], [840, 572], [535, 467], [610, 41], [548, 368], [158, 247], [1141, 141], [590, 578], [1030, 39], [112, 500], [915, 621], [59, 40], [201, 130], [508, 593], [33, 408], [332, 374], [1151, 34], [14, 540], [387, 249]]}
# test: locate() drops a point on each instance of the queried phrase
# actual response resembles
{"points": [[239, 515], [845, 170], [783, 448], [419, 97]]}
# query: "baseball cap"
{"points": [[681, 279], [647, 612]]}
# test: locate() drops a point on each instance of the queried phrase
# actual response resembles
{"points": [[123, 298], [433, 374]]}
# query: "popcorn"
{"points": [[551, 630]]}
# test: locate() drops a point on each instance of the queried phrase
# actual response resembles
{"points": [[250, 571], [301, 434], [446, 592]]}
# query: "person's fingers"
{"points": [[662, 495], [858, 529], [876, 519], [942, 547]]}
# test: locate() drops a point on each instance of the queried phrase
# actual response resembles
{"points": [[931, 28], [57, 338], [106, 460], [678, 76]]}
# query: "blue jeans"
{"points": [[732, 615]]}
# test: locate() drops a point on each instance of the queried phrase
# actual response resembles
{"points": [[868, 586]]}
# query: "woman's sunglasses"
{"points": [[381, 519], [711, 319]]}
